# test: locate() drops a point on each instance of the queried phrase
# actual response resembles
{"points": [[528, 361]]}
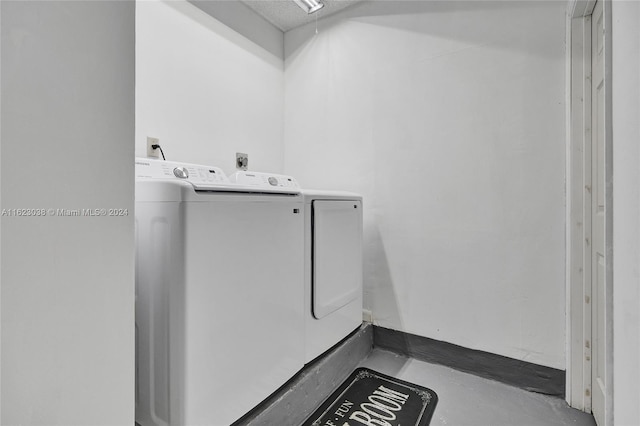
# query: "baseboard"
{"points": [[522, 374]]}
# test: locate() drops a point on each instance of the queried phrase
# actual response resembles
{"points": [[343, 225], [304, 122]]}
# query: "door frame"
{"points": [[578, 113]]}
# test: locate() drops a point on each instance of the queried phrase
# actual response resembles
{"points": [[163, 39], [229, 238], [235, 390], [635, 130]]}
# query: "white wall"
{"points": [[449, 118], [0, 219], [67, 282], [206, 91], [626, 211], [244, 20]]}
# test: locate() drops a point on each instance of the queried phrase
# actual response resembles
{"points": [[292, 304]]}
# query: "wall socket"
{"points": [[367, 316], [152, 153], [242, 161]]}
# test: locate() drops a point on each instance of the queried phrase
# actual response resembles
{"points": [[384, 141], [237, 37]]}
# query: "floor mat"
{"points": [[371, 398]]}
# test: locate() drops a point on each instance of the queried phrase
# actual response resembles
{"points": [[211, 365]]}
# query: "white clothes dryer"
{"points": [[333, 268], [219, 316]]}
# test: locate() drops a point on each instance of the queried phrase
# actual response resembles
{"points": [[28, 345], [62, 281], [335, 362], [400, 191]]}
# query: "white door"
{"points": [[598, 270]]}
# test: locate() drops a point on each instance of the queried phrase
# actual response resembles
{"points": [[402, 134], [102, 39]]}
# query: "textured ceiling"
{"points": [[286, 15]]}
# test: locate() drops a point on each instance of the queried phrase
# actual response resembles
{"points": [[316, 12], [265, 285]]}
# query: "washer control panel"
{"points": [[199, 176], [264, 180], [211, 178]]}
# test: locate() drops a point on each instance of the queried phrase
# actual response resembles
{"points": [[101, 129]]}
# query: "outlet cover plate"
{"points": [[152, 153], [242, 161]]}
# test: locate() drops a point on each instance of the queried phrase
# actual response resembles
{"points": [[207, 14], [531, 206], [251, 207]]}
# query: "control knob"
{"points": [[181, 172]]}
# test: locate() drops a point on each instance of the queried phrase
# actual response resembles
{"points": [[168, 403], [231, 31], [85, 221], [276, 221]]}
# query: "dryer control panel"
{"points": [[264, 180]]}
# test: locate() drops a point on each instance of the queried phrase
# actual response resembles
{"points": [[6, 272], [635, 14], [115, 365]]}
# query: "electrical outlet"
{"points": [[242, 161], [367, 316], [152, 153]]}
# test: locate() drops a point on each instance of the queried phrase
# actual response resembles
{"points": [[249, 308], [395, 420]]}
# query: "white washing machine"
{"points": [[332, 261], [219, 317]]}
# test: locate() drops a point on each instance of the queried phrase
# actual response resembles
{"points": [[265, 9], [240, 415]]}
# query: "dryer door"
{"points": [[337, 255]]}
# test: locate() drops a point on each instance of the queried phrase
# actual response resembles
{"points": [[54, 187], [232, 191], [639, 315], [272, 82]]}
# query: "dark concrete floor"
{"points": [[465, 399]]}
